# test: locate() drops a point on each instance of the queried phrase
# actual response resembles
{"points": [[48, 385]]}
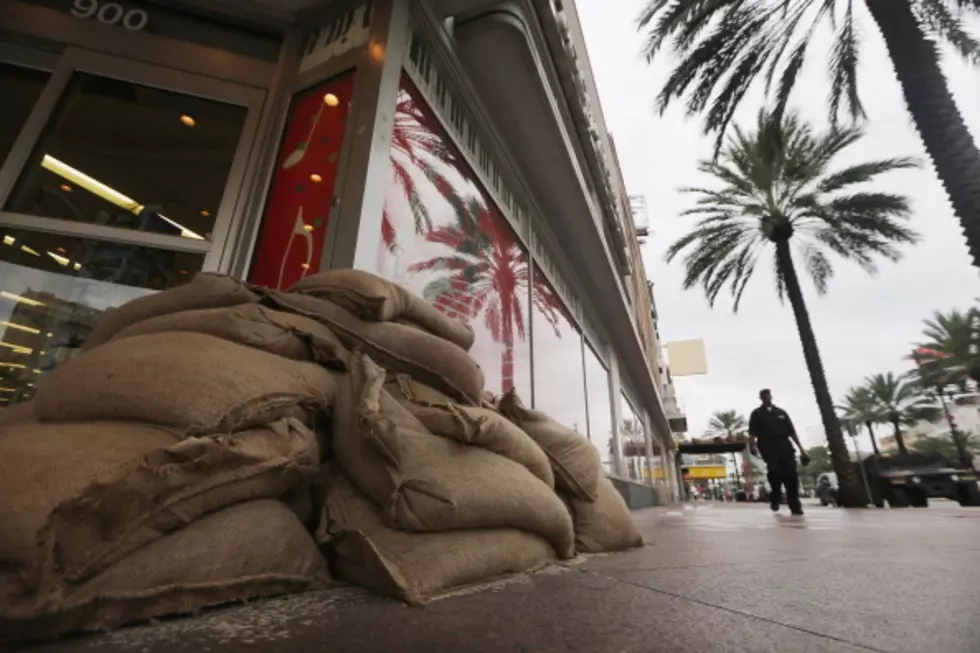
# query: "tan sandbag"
{"points": [[372, 298], [169, 488], [604, 524], [417, 566], [42, 465], [397, 348], [428, 483], [188, 380], [246, 551], [573, 458], [253, 325], [478, 427], [18, 413], [206, 290]]}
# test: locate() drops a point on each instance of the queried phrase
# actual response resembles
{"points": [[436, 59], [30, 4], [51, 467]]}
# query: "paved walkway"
{"points": [[721, 578]]}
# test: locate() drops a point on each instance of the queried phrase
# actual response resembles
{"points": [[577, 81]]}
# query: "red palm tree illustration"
{"points": [[486, 272], [415, 145]]}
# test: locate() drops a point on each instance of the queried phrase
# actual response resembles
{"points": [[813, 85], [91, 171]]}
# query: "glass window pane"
{"points": [[443, 238], [291, 242], [600, 410], [21, 89], [124, 155], [559, 376], [53, 290], [633, 439]]}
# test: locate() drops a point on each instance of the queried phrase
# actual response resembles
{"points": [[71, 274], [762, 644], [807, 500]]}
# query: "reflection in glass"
{"points": [[123, 155], [559, 374], [600, 410], [21, 89], [53, 290], [632, 435], [443, 238]]}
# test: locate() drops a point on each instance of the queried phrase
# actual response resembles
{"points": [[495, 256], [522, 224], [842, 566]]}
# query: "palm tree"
{"points": [[726, 423], [861, 408], [951, 353], [723, 47], [485, 271], [945, 446], [777, 190], [902, 402]]}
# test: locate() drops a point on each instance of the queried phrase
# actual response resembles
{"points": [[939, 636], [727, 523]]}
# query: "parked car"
{"points": [[827, 489], [912, 479]]}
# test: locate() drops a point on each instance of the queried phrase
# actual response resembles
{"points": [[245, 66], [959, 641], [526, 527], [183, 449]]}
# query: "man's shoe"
{"points": [[773, 506], [798, 512]]}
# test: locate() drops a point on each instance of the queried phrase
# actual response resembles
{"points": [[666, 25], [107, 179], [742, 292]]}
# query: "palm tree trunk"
{"points": [[851, 492], [874, 443], [899, 439], [934, 112], [507, 358]]}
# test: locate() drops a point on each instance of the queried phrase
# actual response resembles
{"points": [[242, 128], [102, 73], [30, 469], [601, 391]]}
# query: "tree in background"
{"points": [[861, 408], [722, 48], [726, 423], [951, 353], [820, 463], [945, 446], [902, 402], [776, 191]]}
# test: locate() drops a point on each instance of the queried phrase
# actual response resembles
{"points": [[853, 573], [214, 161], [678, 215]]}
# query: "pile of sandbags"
{"points": [[211, 437]]}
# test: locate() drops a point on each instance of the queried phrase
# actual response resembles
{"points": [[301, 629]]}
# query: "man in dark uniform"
{"points": [[772, 435]]}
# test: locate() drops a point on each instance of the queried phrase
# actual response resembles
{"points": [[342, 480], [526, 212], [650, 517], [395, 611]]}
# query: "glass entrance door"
{"points": [[118, 179]]}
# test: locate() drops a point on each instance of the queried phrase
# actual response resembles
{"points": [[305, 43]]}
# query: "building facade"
{"points": [[454, 146]]}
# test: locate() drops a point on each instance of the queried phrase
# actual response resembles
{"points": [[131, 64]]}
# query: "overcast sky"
{"points": [[864, 324]]}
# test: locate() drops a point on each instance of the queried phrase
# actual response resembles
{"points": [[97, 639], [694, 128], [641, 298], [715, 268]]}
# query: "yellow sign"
{"points": [[706, 471]]}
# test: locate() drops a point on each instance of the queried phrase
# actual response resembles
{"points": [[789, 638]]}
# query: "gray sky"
{"points": [[864, 324]]}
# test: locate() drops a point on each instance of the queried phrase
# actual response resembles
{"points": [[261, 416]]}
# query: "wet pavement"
{"points": [[720, 578]]}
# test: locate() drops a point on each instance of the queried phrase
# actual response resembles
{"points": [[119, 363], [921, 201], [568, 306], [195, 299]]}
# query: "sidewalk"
{"points": [[721, 578]]}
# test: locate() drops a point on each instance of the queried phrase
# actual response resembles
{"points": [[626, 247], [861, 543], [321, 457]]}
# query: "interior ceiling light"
{"points": [[205, 213], [18, 349], [7, 390], [187, 121], [14, 366], [331, 100], [37, 371], [78, 266], [107, 193], [17, 298], [59, 258], [65, 187], [315, 178], [25, 248], [308, 227], [9, 240], [19, 327]]}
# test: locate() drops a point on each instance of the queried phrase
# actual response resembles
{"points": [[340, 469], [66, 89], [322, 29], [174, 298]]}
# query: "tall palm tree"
{"points": [[776, 190], [724, 46], [485, 272], [861, 408], [951, 353], [902, 402], [727, 423]]}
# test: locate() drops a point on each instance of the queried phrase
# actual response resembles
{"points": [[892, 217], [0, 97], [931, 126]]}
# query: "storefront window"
{"points": [[559, 373], [443, 238], [599, 408], [125, 155], [293, 232], [54, 289], [633, 438], [21, 89]]}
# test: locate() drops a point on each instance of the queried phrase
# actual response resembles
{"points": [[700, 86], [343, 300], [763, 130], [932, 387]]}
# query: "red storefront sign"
{"points": [[294, 226]]}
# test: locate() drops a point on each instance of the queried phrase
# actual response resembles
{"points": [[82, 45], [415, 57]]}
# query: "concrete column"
{"points": [[615, 400]]}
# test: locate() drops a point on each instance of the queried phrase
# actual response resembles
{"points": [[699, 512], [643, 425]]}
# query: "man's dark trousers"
{"points": [[781, 463]]}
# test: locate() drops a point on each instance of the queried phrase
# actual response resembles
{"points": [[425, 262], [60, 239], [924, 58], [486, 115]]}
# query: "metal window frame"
{"points": [[165, 78]]}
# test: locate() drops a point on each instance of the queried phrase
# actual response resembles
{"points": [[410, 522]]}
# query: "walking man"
{"points": [[772, 435]]}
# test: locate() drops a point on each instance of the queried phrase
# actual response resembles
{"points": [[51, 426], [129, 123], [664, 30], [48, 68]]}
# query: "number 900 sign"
{"points": [[110, 13]]}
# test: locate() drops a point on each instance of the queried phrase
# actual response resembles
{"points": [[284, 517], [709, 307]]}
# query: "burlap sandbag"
{"points": [[42, 465], [246, 551], [604, 524], [573, 458], [253, 325], [428, 483], [478, 427], [206, 290], [417, 566], [18, 413], [396, 347], [372, 298], [188, 380]]}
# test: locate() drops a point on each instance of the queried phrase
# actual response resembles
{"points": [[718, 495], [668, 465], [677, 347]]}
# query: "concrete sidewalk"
{"points": [[721, 578]]}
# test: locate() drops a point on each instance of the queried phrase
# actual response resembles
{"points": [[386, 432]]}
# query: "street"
{"points": [[719, 578]]}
